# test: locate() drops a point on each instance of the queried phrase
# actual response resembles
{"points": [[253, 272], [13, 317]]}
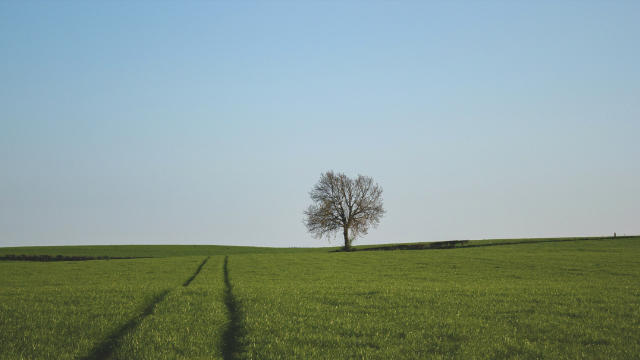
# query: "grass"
{"points": [[158, 251], [155, 251], [546, 300], [65, 310], [189, 323], [490, 242], [560, 300]]}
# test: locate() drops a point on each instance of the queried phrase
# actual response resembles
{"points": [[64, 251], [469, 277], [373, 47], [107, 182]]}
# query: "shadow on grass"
{"points": [[105, 349], [234, 332], [186, 283], [464, 244]]}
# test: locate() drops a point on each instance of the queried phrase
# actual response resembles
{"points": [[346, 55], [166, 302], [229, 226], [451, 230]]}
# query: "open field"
{"points": [[156, 251], [550, 300], [63, 310], [555, 300]]}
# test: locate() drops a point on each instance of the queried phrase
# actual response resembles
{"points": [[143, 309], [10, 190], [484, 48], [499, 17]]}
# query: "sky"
{"points": [[151, 122]]}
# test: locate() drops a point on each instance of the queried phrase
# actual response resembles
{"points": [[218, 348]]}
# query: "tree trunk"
{"points": [[347, 243]]}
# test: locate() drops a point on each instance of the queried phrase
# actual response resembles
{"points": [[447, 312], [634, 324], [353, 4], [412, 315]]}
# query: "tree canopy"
{"points": [[341, 203]]}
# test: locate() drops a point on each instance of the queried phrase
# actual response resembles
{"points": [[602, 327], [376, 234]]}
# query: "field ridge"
{"points": [[450, 244]]}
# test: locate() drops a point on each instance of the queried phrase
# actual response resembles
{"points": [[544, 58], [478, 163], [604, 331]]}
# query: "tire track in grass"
{"points": [[105, 349], [231, 336], [186, 283]]}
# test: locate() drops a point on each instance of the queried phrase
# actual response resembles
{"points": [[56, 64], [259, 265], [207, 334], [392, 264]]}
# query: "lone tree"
{"points": [[340, 203]]}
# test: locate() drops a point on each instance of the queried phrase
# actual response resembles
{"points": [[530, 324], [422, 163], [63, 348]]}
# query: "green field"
{"points": [[155, 251], [529, 300]]}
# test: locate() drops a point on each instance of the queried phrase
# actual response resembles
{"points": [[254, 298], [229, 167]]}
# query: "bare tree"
{"points": [[340, 203]]}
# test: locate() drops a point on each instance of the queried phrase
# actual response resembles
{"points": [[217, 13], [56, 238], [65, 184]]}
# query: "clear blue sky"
{"points": [[151, 122]]}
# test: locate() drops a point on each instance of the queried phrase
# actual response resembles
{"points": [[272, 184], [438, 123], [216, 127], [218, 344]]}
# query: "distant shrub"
{"points": [[447, 244]]}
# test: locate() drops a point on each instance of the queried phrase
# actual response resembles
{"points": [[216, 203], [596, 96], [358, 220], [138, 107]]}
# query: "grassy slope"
{"points": [[152, 250], [540, 300], [577, 299], [69, 310], [189, 323], [213, 250], [491, 242]]}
